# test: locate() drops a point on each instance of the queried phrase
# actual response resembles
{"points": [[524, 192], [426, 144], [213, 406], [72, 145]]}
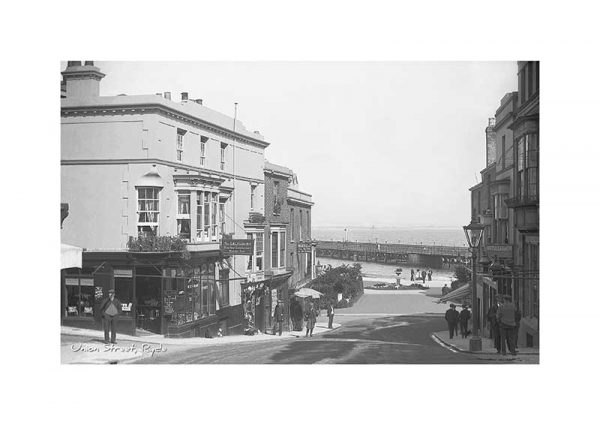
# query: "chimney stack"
{"points": [[82, 81], [168, 95], [198, 101], [184, 96]]}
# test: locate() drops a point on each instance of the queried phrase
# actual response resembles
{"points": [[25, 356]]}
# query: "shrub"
{"points": [[462, 274]]}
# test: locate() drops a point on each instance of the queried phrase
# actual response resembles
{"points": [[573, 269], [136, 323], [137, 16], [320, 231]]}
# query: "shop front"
{"points": [[159, 292], [259, 300]]}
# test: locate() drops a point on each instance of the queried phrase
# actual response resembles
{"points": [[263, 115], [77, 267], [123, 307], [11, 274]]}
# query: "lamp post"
{"points": [[473, 232]]}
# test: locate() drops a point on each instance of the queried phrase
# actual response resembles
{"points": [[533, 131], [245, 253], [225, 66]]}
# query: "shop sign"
{"points": [[70, 281], [86, 282], [237, 246], [123, 273], [273, 301], [500, 251], [304, 246], [168, 301]]}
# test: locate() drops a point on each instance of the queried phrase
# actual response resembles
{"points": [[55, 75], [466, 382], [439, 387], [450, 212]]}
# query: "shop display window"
{"points": [[124, 293], [191, 294], [80, 296]]}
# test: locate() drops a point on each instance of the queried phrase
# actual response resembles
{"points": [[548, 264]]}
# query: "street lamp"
{"points": [[473, 232]]}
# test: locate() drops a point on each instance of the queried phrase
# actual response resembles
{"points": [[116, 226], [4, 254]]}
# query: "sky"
{"points": [[376, 143]]}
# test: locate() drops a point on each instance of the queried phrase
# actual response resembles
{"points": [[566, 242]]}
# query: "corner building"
{"points": [[148, 165]]}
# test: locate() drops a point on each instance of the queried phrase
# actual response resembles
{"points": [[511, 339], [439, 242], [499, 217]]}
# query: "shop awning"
{"points": [[70, 256], [459, 294]]}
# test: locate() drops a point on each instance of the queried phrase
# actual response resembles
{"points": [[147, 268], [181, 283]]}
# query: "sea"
{"points": [[386, 273]]}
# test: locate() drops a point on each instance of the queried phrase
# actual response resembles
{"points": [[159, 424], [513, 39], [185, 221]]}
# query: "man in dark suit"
{"points": [[110, 309], [506, 320], [330, 314], [452, 319], [278, 318]]}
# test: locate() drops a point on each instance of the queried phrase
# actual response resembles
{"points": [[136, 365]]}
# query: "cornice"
{"points": [[157, 108], [300, 202], [176, 165]]}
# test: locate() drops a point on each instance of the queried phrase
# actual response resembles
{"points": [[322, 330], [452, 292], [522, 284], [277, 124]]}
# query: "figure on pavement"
{"points": [[452, 319], [310, 315], [412, 275], [506, 321], [423, 275], [110, 310], [445, 289], [330, 314], [463, 319], [278, 317], [429, 273], [518, 316], [494, 328]]}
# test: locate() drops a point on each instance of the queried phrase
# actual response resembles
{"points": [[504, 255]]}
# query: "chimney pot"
{"points": [[73, 63], [184, 96], [199, 101], [89, 63], [168, 95]]}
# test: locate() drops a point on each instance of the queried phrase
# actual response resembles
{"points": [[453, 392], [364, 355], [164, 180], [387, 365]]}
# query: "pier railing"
{"points": [[437, 250]]}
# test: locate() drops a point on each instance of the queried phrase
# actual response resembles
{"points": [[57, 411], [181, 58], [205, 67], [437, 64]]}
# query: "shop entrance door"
{"points": [[148, 297]]}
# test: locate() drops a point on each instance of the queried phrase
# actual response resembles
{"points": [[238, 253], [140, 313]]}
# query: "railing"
{"points": [[450, 251]]}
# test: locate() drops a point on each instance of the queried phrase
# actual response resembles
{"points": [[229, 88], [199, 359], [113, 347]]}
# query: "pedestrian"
{"points": [[278, 317], [518, 316], [429, 274], [110, 309], [423, 274], [330, 314], [463, 319], [452, 319], [445, 289], [310, 316], [412, 275], [494, 328], [506, 322]]}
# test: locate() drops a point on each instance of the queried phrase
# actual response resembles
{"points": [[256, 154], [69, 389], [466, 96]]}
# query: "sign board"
{"points": [[123, 273], [273, 301], [237, 246], [500, 251], [304, 246], [71, 281], [86, 281], [168, 301]]}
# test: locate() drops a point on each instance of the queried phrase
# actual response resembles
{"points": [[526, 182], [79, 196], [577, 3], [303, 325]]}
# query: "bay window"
{"points": [[214, 198], [527, 167], [183, 215], [255, 261], [277, 249], [148, 210]]}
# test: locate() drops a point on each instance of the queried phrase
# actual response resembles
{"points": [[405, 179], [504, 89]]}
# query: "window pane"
{"points": [[274, 248], [282, 250]]}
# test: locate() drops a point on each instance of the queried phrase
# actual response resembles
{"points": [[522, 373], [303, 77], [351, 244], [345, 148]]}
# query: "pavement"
{"points": [[86, 346], [459, 344]]}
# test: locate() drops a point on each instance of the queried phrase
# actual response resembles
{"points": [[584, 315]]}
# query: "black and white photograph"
{"points": [[323, 211], [300, 212]]}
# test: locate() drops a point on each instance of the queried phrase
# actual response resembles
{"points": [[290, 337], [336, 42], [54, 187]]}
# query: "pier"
{"points": [[434, 256]]}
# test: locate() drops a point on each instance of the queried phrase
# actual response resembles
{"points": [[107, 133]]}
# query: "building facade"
{"points": [[135, 169], [506, 202], [284, 253]]}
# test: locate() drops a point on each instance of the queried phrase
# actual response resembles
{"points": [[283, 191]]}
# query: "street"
{"points": [[372, 332], [365, 340]]}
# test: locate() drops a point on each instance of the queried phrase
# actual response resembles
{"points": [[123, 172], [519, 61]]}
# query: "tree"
{"points": [[345, 280]]}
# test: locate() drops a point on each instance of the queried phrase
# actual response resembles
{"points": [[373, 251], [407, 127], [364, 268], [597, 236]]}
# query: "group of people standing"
{"points": [[454, 319], [420, 274], [505, 319]]}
